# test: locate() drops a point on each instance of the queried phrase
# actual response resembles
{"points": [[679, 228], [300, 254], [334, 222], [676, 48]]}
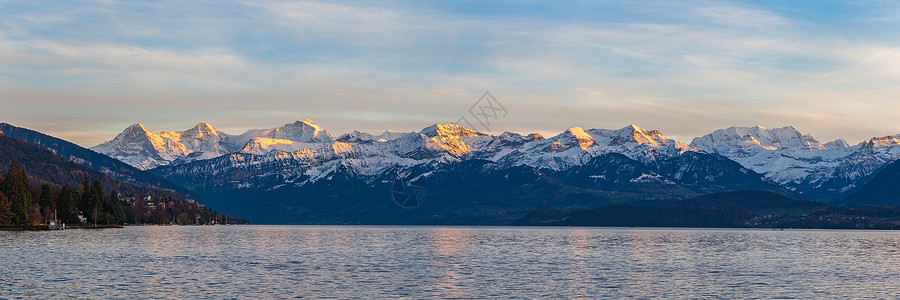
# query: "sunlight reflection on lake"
{"points": [[447, 262]]}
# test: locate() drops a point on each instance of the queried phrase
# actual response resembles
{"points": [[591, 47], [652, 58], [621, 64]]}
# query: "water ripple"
{"points": [[355, 262]]}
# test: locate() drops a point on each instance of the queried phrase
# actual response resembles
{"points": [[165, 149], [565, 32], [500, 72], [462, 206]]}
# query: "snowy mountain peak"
{"points": [[140, 147], [200, 131], [635, 134], [358, 137], [756, 138], [885, 141], [136, 128], [449, 137], [793, 159], [136, 133], [305, 122], [584, 139], [836, 144], [300, 131], [506, 135], [635, 130], [263, 145], [578, 132], [633, 127], [534, 137], [798, 161], [203, 129], [449, 130]]}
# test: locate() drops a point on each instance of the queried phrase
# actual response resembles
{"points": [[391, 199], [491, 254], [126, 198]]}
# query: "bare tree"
{"points": [[96, 214]]}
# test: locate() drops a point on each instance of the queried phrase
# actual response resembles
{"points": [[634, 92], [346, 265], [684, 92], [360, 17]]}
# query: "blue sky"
{"points": [[84, 70]]}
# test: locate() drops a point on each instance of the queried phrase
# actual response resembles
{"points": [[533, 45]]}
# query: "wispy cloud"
{"points": [[681, 66]]}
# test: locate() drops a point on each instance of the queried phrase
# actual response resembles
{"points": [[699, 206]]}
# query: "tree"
{"points": [[34, 215], [95, 214], [66, 205], [17, 189], [97, 196], [45, 202], [46, 214], [45, 199], [183, 219], [117, 212], [6, 213], [84, 202], [93, 198]]}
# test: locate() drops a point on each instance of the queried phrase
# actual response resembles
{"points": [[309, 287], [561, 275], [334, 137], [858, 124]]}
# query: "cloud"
{"points": [[686, 68], [119, 64]]}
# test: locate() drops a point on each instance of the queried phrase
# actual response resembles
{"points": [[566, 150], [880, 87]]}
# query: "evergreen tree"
{"points": [[17, 189], [45, 202], [84, 202], [98, 200], [6, 213], [66, 206], [117, 211]]}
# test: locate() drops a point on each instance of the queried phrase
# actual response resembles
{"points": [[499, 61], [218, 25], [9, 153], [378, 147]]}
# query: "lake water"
{"points": [[447, 262]]}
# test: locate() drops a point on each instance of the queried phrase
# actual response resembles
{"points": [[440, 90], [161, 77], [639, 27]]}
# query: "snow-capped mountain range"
{"points": [[784, 155], [140, 147], [305, 140], [798, 161]]}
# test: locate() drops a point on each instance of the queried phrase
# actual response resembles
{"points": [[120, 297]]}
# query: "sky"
{"points": [[85, 70]]}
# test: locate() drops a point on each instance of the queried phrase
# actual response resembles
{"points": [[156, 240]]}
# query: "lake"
{"points": [[447, 262]]}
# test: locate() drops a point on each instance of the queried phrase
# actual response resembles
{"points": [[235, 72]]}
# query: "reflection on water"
{"points": [[579, 256], [447, 262], [450, 248]]}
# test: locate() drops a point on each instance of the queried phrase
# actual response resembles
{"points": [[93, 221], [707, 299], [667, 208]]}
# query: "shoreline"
{"points": [[45, 227]]}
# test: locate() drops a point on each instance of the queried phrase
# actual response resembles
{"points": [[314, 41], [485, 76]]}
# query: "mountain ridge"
{"points": [[299, 167], [797, 161]]}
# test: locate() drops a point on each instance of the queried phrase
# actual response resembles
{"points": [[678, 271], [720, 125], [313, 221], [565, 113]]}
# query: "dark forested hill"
{"points": [[882, 189], [750, 209], [44, 166], [94, 161]]}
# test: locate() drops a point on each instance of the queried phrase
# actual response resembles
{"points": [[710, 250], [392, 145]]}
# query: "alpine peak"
{"points": [[202, 129], [578, 133], [584, 139], [633, 127], [877, 142], [204, 125], [784, 155], [306, 122], [137, 127], [636, 134], [798, 161], [135, 131], [300, 131], [448, 130], [534, 137], [837, 144], [759, 137]]}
